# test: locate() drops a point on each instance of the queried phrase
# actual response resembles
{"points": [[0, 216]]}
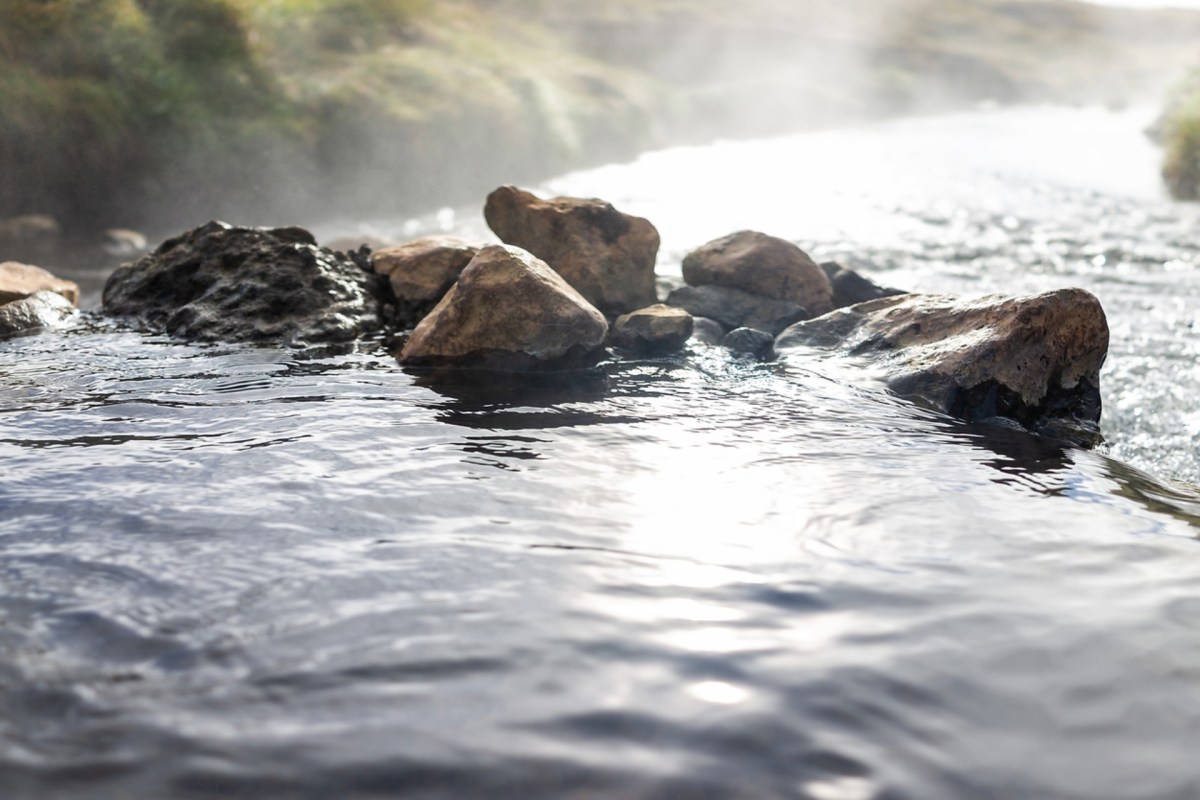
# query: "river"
{"points": [[238, 572]]}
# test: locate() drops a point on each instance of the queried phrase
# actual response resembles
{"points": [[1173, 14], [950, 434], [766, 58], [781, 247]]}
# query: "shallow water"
{"points": [[243, 572]]}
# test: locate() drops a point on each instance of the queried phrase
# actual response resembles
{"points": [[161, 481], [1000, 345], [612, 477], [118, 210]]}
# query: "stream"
{"points": [[235, 572]]}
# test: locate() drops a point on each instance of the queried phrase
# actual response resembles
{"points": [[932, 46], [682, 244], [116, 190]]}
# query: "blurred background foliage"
{"points": [[158, 113]]}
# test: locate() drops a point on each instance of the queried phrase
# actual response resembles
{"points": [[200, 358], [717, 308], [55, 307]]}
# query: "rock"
{"points": [[1035, 359], [220, 282], [19, 280], [734, 308], [508, 311], [422, 271], [749, 341], [124, 243], [606, 255], [849, 287], [707, 331], [42, 309], [763, 265], [348, 244], [654, 330], [29, 237]]}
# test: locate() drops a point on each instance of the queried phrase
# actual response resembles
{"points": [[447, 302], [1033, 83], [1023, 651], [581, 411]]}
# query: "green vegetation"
{"points": [[167, 112], [1179, 131]]}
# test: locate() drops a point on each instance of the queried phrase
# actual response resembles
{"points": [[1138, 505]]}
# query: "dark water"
{"points": [[236, 572]]}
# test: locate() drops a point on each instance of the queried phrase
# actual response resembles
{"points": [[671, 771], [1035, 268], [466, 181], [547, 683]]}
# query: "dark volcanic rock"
{"points": [[224, 283], [850, 287], [734, 308], [42, 309], [655, 330], [606, 255], [508, 311], [1034, 359]]}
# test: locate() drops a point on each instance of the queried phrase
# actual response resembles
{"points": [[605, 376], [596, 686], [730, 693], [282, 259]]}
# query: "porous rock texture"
{"points": [[654, 330], [508, 311], [19, 280], [219, 282], [1035, 359], [761, 265], [606, 255], [422, 271]]}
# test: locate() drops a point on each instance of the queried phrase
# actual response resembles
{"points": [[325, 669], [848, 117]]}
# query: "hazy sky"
{"points": [[1149, 3]]}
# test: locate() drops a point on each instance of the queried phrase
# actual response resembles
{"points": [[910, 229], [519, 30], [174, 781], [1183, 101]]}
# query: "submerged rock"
{"points": [[654, 330], [1035, 359], [606, 255], [508, 311], [224, 283], [849, 287], [422, 271], [734, 308], [751, 342], [761, 265], [18, 281], [41, 309]]}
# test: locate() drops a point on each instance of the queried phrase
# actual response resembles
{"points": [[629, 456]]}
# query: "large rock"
{"points": [[219, 282], [762, 265], [734, 308], [422, 271], [19, 280], [43, 309], [1035, 359], [508, 311], [606, 255], [654, 330]]}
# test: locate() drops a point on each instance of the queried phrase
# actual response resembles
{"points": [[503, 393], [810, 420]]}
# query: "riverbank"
{"points": [[156, 115]]}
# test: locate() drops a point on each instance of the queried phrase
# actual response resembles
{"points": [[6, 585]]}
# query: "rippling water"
{"points": [[239, 572]]}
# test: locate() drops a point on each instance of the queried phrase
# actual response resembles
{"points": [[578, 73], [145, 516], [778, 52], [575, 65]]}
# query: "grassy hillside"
{"points": [[165, 112]]}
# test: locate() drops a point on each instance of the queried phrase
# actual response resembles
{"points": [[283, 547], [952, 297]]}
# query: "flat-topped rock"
{"points": [[219, 282], [1035, 359], [606, 255], [508, 311], [19, 280], [654, 330]]}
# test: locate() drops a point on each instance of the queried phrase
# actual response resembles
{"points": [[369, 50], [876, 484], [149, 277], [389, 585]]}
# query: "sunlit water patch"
{"points": [[246, 572]]}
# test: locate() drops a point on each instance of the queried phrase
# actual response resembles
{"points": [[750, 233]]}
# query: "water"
{"points": [[239, 572]]}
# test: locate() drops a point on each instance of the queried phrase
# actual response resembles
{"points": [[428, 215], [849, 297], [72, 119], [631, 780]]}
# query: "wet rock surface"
{"points": [[762, 265], [422, 271], [1034, 359], [734, 308], [227, 283], [751, 342], [42, 309], [508, 311], [655, 330], [850, 287], [18, 281], [606, 255]]}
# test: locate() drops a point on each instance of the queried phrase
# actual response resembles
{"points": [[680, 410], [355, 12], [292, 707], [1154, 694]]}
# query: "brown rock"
{"points": [[606, 255], [19, 280], [423, 270], [763, 265], [508, 311], [656, 329], [1035, 359], [42, 309]]}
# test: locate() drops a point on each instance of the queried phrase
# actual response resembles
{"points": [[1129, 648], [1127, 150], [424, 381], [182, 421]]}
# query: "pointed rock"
{"points": [[606, 255], [1035, 359], [508, 311]]}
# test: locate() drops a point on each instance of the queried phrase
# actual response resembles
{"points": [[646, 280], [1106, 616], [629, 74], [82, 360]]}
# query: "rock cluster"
{"points": [[422, 271]]}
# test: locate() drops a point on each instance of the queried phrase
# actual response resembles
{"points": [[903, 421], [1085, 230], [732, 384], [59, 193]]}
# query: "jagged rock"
{"points": [[707, 331], [508, 311], [654, 330], [422, 271], [606, 255], [734, 308], [762, 265], [1035, 359], [29, 237], [749, 341], [41, 309], [850, 287], [19, 280], [220, 282]]}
